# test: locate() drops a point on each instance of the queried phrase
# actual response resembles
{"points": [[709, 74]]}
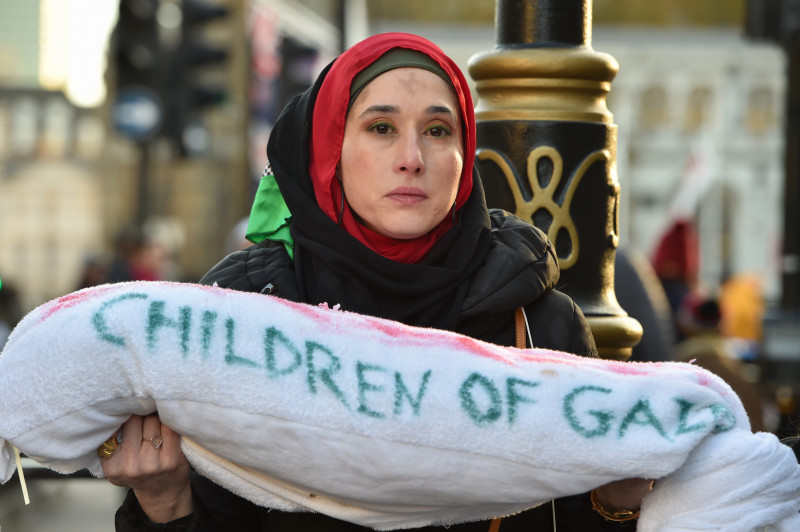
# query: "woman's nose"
{"points": [[409, 156]]}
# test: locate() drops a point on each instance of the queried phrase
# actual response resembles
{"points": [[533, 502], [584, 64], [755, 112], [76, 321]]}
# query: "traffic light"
{"points": [[136, 43], [137, 111], [163, 58], [189, 89]]}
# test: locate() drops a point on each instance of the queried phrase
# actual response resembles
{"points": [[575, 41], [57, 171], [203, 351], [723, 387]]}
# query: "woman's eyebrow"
{"points": [[380, 109], [440, 109], [388, 109]]}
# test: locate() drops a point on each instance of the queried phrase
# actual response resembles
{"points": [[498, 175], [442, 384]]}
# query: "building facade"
{"points": [[700, 123], [701, 135]]}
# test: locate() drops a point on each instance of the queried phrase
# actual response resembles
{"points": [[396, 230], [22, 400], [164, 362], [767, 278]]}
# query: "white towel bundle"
{"points": [[298, 407]]}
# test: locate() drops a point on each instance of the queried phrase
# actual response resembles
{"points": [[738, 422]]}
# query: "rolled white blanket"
{"points": [[298, 407]]}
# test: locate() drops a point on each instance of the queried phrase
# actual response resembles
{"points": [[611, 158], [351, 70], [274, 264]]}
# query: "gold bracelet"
{"points": [[620, 516]]}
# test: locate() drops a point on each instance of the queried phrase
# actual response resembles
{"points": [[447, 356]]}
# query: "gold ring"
{"points": [[156, 441], [106, 450]]}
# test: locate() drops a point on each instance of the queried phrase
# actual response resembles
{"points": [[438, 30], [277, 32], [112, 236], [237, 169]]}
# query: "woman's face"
{"points": [[402, 153]]}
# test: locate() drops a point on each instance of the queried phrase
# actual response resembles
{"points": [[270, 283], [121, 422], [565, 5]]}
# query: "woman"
{"points": [[386, 217]]}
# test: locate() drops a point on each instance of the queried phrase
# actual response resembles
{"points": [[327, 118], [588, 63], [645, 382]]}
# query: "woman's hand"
{"points": [[150, 461], [626, 494]]}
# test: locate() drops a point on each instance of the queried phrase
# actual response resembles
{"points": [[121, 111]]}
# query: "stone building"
{"points": [[700, 134], [69, 183], [51, 200]]}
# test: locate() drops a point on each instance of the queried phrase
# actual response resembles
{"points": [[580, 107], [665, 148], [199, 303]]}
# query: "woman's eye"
{"points": [[381, 129], [438, 131]]}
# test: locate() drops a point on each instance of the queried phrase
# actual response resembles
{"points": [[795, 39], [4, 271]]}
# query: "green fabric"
{"points": [[270, 217]]}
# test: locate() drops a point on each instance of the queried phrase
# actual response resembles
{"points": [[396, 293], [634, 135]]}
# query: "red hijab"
{"points": [[330, 115]]}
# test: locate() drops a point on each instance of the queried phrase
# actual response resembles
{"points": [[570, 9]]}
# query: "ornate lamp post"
{"points": [[547, 149]]}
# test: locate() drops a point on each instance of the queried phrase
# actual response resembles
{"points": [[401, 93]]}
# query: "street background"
{"points": [[101, 181]]}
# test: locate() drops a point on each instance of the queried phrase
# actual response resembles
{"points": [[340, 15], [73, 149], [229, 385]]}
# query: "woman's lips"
{"points": [[407, 195]]}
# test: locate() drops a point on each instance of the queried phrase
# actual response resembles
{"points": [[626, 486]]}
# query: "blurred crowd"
{"points": [[136, 256], [720, 330]]}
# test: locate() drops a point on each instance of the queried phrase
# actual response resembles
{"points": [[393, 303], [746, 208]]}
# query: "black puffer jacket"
{"points": [[520, 267], [520, 270]]}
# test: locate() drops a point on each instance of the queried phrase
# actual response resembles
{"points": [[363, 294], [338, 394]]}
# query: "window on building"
{"points": [[698, 107], [653, 112], [58, 118], [24, 126], [760, 115]]}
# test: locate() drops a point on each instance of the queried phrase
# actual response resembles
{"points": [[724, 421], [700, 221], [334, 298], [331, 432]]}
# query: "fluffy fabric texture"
{"points": [[298, 407]]}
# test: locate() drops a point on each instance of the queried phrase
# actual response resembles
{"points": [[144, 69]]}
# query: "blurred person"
{"points": [[126, 246], [743, 308], [138, 258], [699, 319], [641, 295], [149, 262], [388, 218], [94, 272], [675, 262]]}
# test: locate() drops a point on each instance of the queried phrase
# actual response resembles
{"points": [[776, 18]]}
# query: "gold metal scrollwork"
{"points": [[543, 196]]}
